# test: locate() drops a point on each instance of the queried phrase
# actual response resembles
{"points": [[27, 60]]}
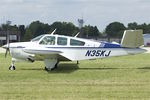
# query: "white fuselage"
{"points": [[55, 48], [90, 50]]}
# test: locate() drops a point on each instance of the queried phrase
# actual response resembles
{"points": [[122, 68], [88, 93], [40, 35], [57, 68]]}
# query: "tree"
{"points": [[4, 27], [132, 26], [115, 29], [28, 35], [93, 31], [85, 32], [37, 28], [22, 31], [90, 32], [148, 28], [64, 28], [144, 27]]}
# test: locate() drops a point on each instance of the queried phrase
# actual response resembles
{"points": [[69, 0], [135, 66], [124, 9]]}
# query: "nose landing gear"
{"points": [[12, 67]]}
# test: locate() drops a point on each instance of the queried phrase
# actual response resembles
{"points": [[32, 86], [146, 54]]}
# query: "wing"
{"points": [[45, 53], [41, 51]]}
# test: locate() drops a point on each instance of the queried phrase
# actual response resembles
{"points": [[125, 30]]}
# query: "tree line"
{"points": [[36, 28]]}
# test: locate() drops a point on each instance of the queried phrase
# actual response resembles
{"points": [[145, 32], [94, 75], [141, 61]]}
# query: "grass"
{"points": [[117, 78]]}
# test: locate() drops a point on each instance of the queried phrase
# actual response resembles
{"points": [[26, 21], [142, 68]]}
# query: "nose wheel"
{"points": [[12, 67]]}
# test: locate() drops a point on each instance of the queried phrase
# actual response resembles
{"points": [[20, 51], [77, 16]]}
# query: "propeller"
{"points": [[7, 45], [7, 50]]}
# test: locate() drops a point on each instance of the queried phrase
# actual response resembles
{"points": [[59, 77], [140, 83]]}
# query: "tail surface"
{"points": [[132, 39]]}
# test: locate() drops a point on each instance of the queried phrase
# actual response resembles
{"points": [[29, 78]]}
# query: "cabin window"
{"points": [[74, 42], [61, 41], [37, 38], [48, 40]]}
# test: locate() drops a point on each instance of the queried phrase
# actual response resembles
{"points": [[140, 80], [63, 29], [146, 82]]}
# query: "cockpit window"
{"points": [[37, 38], [74, 42], [48, 40], [61, 41]]}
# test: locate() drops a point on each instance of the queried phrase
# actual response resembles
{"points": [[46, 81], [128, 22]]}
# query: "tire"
{"points": [[12, 68], [49, 69]]}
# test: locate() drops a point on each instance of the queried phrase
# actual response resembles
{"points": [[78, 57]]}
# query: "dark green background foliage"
{"points": [[115, 29], [35, 28]]}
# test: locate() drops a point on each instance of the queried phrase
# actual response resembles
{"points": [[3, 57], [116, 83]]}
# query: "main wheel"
{"points": [[77, 62], [12, 68], [48, 69], [56, 66]]}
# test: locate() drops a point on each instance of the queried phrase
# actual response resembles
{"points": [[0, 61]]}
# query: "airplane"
{"points": [[53, 48]]}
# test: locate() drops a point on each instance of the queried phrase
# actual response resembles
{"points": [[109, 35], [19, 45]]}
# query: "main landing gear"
{"points": [[12, 67], [51, 69], [77, 62], [50, 64]]}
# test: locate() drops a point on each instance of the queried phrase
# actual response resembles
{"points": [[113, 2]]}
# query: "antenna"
{"points": [[77, 34], [53, 31]]}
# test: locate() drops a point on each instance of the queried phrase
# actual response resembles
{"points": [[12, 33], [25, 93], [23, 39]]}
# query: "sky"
{"points": [[94, 12]]}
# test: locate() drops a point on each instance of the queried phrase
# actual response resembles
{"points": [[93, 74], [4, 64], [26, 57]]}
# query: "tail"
{"points": [[132, 39]]}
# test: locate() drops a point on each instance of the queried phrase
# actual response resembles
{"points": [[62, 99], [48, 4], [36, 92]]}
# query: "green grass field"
{"points": [[117, 78]]}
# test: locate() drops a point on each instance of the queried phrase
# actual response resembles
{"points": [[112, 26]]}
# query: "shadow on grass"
{"points": [[97, 68], [71, 67], [144, 68], [62, 68], [36, 69], [65, 68]]}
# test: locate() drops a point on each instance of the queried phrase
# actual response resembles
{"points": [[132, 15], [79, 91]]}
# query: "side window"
{"points": [[74, 42], [48, 40], [61, 41]]}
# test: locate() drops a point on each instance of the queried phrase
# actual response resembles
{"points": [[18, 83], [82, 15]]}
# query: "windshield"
{"points": [[37, 38], [48, 40]]}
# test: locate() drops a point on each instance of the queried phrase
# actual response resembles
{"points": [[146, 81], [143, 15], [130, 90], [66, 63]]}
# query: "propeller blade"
{"points": [[8, 38], [7, 50], [6, 53]]}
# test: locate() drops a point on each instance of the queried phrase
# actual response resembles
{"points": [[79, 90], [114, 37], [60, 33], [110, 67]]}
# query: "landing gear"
{"points": [[51, 69], [50, 64], [12, 67], [77, 62], [48, 69], [56, 65]]}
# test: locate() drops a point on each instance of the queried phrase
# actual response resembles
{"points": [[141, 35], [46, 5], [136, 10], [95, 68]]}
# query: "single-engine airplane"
{"points": [[53, 48]]}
